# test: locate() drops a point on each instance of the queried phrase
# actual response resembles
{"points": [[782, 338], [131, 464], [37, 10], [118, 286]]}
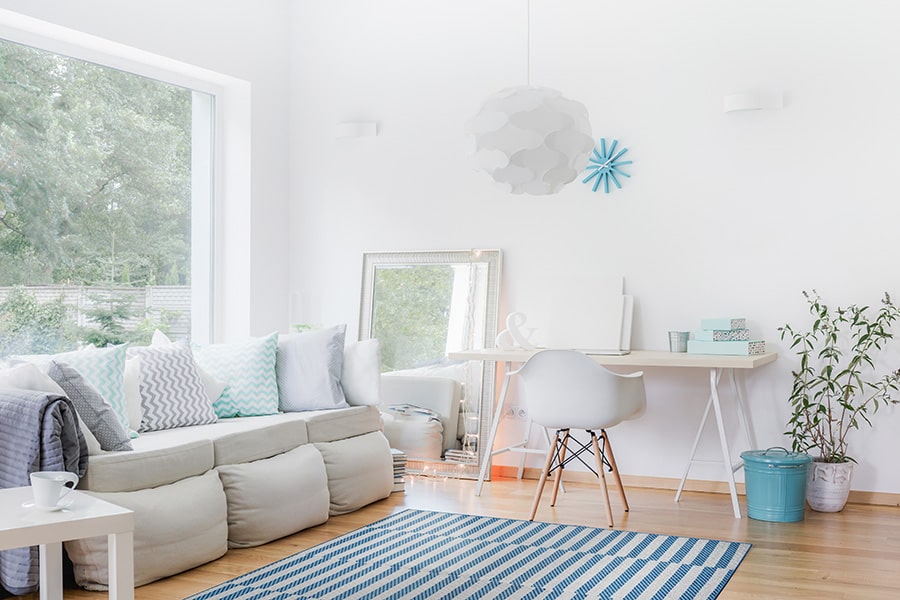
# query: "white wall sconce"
{"points": [[356, 129], [759, 100]]}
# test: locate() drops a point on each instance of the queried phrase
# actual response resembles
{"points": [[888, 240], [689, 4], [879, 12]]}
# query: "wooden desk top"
{"points": [[637, 358]]}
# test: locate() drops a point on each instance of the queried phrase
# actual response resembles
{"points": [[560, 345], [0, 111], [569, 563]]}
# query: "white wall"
{"points": [[248, 41], [726, 214]]}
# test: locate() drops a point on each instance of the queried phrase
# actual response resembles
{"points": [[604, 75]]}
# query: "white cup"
{"points": [[49, 487]]}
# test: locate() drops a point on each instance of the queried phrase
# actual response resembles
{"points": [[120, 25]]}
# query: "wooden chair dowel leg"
{"points": [[543, 479], [603, 485], [559, 471], [607, 448]]}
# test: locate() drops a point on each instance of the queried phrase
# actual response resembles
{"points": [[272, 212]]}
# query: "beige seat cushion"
{"points": [[275, 497], [148, 465], [360, 471], [168, 538], [330, 425]]}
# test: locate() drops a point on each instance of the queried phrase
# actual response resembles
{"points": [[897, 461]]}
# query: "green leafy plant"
{"points": [[838, 386]]}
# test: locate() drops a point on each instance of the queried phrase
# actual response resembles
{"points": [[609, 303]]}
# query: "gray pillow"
{"points": [[309, 369], [172, 393], [97, 414]]}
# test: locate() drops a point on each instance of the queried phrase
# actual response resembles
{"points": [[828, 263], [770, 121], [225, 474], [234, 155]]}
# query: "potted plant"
{"points": [[837, 388]]}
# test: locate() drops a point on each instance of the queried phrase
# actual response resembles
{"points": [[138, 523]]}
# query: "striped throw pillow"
{"points": [[249, 370]]}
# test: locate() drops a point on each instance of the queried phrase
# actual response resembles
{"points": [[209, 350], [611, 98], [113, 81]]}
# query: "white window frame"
{"points": [[220, 303]]}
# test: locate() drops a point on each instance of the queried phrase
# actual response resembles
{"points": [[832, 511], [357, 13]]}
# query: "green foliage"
{"points": [[412, 314], [94, 173], [29, 327], [837, 386]]}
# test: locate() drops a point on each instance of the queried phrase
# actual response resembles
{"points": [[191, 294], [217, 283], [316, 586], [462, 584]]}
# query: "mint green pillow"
{"points": [[249, 370]]}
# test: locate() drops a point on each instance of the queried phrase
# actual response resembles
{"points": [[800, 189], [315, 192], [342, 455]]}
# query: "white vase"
{"points": [[828, 486]]}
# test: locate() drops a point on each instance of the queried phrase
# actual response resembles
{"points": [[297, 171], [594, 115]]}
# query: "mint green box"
{"points": [[723, 323], [723, 335], [747, 348]]}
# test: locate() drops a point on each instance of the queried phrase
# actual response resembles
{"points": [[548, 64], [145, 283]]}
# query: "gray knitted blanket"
{"points": [[38, 432]]}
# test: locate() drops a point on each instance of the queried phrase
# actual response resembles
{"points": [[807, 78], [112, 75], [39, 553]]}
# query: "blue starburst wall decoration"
{"points": [[605, 164]]}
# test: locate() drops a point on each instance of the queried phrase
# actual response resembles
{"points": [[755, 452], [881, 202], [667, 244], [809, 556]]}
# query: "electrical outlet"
{"points": [[521, 413]]}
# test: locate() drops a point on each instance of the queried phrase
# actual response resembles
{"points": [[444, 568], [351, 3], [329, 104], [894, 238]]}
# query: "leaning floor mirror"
{"points": [[421, 306]]}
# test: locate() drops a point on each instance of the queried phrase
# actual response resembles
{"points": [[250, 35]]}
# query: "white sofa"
{"points": [[196, 491]]}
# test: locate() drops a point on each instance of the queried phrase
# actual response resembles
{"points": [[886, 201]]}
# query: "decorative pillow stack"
{"points": [[93, 379]]}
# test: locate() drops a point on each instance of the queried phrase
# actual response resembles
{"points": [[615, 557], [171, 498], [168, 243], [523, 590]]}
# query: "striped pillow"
{"points": [[249, 369], [172, 394]]}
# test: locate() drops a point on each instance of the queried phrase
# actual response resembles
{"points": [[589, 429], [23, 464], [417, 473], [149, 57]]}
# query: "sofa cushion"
{"points": [[153, 462], [360, 471], [361, 375], [249, 370], [309, 369], [168, 537], [172, 393], [330, 425], [96, 412], [275, 497], [247, 439]]}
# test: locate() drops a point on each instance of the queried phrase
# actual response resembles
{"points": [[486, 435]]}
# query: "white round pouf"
{"points": [[532, 140]]}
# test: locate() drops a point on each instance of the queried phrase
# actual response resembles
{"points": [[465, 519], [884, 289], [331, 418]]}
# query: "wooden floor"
{"points": [[852, 554]]}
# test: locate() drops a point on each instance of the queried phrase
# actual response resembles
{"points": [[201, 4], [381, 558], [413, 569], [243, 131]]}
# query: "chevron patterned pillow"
{"points": [[172, 394], [249, 370], [104, 369]]}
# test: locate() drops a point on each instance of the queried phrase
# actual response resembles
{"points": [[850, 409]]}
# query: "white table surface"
{"points": [[21, 525]]}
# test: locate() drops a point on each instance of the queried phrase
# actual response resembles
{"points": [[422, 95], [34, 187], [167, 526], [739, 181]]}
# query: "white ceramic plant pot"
{"points": [[828, 486]]}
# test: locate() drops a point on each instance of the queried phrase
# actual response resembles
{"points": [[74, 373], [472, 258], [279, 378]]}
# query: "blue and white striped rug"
{"points": [[423, 555]]}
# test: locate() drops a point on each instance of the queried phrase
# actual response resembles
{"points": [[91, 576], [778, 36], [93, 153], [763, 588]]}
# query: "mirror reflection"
{"points": [[420, 306]]}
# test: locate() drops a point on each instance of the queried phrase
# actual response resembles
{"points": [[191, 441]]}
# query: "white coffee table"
{"points": [[85, 517]]}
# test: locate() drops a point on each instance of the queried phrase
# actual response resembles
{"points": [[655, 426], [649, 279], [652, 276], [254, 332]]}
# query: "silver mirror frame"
{"points": [[482, 339]]}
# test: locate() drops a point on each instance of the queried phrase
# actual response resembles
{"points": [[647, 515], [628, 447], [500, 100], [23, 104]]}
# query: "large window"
{"points": [[103, 177]]}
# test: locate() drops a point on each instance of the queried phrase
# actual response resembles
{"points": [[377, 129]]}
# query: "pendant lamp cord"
{"points": [[528, 44]]}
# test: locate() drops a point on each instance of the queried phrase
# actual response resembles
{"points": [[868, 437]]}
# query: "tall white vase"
{"points": [[828, 486]]}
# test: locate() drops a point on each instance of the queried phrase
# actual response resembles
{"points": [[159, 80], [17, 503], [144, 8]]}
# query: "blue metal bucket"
{"points": [[776, 484]]}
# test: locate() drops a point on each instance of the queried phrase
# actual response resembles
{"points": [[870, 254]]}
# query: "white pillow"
{"points": [[309, 369], [361, 375], [213, 386]]}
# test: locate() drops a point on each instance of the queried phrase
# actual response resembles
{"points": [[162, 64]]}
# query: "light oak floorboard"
{"points": [[848, 555]]}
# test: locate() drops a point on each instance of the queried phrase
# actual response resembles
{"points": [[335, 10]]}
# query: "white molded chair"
{"points": [[564, 390]]}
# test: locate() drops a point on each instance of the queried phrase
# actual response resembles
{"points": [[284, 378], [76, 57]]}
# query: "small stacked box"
{"points": [[725, 336], [399, 457]]}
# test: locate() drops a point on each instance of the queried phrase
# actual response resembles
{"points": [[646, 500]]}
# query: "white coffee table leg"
{"points": [[51, 571], [121, 566]]}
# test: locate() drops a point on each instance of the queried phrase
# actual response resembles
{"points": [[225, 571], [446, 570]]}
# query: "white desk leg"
{"points": [[487, 446], [723, 440], [121, 566], [743, 413], [690, 462], [51, 571]]}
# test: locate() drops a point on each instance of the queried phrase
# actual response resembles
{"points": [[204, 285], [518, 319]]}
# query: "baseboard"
{"points": [[692, 485]]}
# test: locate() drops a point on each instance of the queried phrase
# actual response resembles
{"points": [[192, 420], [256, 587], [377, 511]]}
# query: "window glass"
{"points": [[96, 194]]}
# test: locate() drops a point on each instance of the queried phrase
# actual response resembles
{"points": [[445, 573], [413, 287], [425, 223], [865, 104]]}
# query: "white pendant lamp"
{"points": [[530, 139]]}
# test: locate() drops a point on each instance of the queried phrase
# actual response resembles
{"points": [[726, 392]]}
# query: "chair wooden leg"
{"points": [[599, 458], [543, 479], [607, 448], [559, 471]]}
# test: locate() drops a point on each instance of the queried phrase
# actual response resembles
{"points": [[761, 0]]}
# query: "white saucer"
{"points": [[66, 503]]}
